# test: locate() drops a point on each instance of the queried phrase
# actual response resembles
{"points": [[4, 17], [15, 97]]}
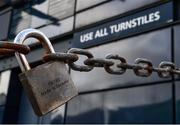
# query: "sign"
{"points": [[124, 27]]}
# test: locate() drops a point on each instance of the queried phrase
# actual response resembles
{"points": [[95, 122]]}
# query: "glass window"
{"points": [[1, 114], [177, 62], [177, 91], [4, 85], [4, 22], [61, 9], [83, 4], [177, 45], [21, 19], [62, 27], [154, 46], [54, 117], [108, 10], [148, 104], [26, 113], [39, 14]]}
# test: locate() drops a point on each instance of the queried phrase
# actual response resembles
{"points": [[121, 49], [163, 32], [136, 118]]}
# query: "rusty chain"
{"points": [[141, 67], [8, 48]]}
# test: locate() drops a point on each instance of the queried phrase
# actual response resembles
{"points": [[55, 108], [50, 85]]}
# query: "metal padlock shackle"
{"points": [[25, 34]]}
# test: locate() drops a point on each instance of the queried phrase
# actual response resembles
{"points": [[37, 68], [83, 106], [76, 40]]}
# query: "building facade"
{"points": [[131, 28]]}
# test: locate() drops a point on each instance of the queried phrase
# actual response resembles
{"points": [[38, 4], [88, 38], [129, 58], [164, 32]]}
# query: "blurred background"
{"points": [[103, 98]]}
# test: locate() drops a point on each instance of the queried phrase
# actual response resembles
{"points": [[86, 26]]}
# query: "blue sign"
{"points": [[124, 27]]}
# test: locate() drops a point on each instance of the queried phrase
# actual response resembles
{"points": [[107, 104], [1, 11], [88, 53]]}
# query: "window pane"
{"points": [[149, 104], [177, 90], [21, 19], [26, 113], [4, 22], [154, 46], [107, 10], [54, 117], [39, 14], [177, 62], [61, 9], [83, 4], [177, 45], [4, 85]]}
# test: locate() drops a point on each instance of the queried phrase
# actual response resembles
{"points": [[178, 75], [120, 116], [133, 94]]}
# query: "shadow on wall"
{"points": [[155, 113]]}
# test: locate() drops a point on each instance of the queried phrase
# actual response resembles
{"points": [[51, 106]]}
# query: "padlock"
{"points": [[49, 85]]}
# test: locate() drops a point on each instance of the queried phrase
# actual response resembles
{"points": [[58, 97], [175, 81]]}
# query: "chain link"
{"points": [[120, 70], [81, 68], [165, 69], [8, 48], [98, 62], [6, 51], [67, 58], [141, 67], [144, 67]]}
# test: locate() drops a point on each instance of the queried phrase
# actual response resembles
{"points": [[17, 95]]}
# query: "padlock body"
{"points": [[48, 86]]}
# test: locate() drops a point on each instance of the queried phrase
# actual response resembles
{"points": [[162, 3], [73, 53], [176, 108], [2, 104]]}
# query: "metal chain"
{"points": [[85, 68], [67, 58], [141, 67], [8, 48]]}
